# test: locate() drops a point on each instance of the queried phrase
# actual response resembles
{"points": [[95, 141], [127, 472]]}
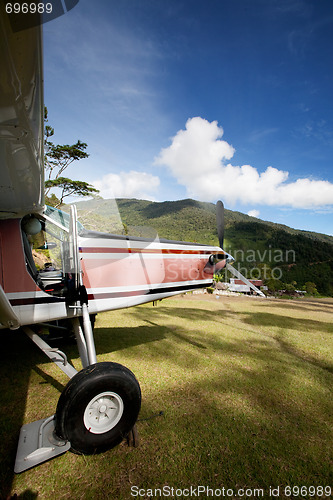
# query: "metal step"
{"points": [[38, 443]]}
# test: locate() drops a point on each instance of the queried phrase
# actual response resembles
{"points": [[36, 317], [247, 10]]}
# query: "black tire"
{"points": [[98, 408]]}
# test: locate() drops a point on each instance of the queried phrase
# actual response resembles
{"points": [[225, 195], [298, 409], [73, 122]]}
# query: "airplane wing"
{"points": [[21, 121]]}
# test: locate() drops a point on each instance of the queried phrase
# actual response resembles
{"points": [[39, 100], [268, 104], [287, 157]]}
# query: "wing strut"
{"points": [[245, 280], [8, 317]]}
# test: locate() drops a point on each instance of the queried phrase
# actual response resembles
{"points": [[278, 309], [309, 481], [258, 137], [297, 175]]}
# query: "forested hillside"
{"points": [[261, 249]]}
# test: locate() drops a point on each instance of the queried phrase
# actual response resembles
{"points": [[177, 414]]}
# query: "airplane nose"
{"points": [[229, 258]]}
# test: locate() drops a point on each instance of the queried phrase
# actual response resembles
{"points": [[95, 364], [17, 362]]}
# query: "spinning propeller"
{"points": [[220, 222], [217, 262]]}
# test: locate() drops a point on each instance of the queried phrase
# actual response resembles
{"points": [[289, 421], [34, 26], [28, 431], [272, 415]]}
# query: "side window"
{"points": [[46, 251]]}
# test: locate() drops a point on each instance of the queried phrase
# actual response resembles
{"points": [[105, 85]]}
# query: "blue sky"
{"points": [[216, 99]]}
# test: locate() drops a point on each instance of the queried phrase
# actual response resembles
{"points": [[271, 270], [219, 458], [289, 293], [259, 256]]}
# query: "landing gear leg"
{"points": [[95, 412]]}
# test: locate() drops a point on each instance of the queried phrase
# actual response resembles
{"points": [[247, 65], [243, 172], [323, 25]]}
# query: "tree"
{"points": [[274, 285], [57, 159], [311, 288], [70, 188]]}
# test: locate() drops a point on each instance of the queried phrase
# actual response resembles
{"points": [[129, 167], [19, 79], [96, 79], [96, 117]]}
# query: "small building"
{"points": [[237, 285]]}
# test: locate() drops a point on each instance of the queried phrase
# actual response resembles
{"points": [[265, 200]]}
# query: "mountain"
{"points": [[259, 247]]}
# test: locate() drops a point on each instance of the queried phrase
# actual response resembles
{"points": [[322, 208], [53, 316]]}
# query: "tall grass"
{"points": [[245, 387]]}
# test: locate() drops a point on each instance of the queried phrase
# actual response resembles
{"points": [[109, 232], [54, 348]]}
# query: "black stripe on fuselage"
{"points": [[108, 295]]}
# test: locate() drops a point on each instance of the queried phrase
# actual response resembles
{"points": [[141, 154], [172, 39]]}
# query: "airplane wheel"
{"points": [[98, 408]]}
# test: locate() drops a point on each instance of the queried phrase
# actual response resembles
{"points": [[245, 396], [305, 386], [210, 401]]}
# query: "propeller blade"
{"points": [[220, 222]]}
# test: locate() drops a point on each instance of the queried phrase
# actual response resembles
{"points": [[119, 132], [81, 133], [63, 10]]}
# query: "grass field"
{"points": [[244, 384]]}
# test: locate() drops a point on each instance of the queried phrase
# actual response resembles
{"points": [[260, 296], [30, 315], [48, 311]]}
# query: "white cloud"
{"points": [[253, 213], [197, 158], [131, 184], [196, 149]]}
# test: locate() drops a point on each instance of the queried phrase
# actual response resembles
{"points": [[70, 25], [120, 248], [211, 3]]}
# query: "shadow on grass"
{"points": [[48, 379], [259, 416], [305, 305], [238, 410], [254, 319], [251, 432], [286, 347], [287, 322], [109, 340], [261, 320], [187, 313], [254, 416], [26, 495], [19, 356]]}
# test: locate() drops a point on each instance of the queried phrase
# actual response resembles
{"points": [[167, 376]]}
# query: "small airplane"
{"points": [[89, 272]]}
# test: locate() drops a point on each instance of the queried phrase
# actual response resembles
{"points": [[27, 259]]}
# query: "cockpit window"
{"points": [[61, 217]]}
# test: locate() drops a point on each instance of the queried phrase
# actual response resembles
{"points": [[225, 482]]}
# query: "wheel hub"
{"points": [[102, 408], [103, 412]]}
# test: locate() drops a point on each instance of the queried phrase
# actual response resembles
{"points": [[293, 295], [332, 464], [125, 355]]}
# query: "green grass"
{"points": [[245, 386]]}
